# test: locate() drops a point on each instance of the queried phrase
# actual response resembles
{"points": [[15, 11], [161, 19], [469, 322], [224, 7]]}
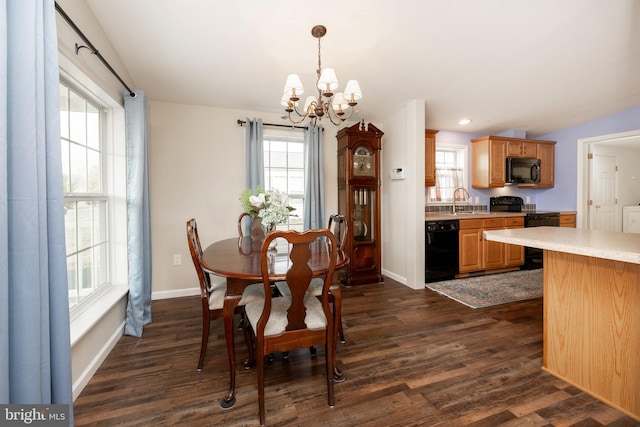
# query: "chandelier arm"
{"points": [[340, 119], [295, 122]]}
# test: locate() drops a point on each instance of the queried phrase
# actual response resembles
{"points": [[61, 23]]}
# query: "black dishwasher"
{"points": [[441, 247]]}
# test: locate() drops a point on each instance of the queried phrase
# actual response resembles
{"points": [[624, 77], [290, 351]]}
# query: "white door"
{"points": [[603, 189]]}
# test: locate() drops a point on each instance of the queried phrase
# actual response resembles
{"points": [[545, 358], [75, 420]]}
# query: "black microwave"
{"points": [[522, 170]]}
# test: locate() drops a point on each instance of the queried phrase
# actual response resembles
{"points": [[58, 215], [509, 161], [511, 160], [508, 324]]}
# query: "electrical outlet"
{"points": [[177, 259]]}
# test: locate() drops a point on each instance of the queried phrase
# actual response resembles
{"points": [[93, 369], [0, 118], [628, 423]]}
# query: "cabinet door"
{"points": [[568, 220], [545, 152], [492, 252], [430, 157], [470, 251], [513, 254], [497, 163]]}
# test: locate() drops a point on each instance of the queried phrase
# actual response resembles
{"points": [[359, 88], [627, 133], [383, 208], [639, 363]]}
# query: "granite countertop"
{"points": [[441, 216], [594, 243]]}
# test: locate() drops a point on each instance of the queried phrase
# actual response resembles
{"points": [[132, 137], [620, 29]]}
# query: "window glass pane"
{"points": [[100, 222], [100, 265], [93, 126], [85, 225], [296, 155], [64, 112], [70, 227], [78, 161], [66, 178], [78, 119], [278, 154], [296, 181], [86, 263], [72, 280], [94, 171]]}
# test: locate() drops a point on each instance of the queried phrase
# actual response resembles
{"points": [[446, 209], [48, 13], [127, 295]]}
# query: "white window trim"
{"points": [[87, 313]]}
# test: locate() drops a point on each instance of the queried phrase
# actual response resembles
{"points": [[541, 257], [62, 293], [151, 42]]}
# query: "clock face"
{"points": [[363, 162]]}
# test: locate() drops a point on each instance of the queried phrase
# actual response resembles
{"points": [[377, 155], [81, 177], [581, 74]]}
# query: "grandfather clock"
{"points": [[359, 201]]}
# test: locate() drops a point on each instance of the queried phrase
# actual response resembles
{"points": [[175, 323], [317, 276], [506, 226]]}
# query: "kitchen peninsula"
{"points": [[591, 309]]}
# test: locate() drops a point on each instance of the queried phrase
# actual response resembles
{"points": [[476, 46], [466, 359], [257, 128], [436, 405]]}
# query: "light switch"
{"points": [[397, 173]]}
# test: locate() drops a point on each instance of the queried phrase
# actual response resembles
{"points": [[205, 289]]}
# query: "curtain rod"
{"points": [[92, 48], [242, 122]]}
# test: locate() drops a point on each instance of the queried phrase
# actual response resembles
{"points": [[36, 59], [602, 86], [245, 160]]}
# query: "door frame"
{"points": [[583, 172]]}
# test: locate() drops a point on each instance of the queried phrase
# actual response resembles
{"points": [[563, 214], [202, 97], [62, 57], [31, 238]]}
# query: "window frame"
{"points": [[462, 163], [91, 309], [296, 220]]}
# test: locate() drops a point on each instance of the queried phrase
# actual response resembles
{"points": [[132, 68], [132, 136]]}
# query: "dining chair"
{"points": [[298, 320], [338, 225], [212, 292]]}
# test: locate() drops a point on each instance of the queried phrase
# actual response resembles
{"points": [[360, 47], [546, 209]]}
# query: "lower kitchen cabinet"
{"points": [[477, 254], [470, 245], [513, 254], [492, 252], [567, 219]]}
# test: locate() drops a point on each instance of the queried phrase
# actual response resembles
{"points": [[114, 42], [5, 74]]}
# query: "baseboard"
{"points": [[85, 377], [176, 293], [394, 276]]}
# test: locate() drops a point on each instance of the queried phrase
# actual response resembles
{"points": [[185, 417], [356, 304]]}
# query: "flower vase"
{"points": [[268, 228], [257, 229]]}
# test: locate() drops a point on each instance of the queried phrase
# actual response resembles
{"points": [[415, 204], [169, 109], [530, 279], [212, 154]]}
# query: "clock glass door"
{"points": [[363, 202]]}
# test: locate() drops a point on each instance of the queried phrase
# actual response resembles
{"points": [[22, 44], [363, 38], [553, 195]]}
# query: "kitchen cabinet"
{"points": [[470, 245], [492, 252], [513, 254], [478, 254], [567, 219], [489, 154], [545, 152], [488, 162], [522, 148], [430, 157]]}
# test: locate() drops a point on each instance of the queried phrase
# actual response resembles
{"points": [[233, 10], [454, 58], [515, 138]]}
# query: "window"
{"points": [[284, 171], [94, 182], [451, 173], [85, 201]]}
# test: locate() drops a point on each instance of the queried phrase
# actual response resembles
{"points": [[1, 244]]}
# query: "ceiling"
{"points": [[536, 66]]}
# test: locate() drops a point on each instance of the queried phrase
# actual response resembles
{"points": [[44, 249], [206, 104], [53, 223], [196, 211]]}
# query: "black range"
{"points": [[533, 256]]}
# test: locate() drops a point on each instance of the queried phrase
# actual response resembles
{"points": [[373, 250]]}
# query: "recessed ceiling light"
{"points": [[464, 122]]}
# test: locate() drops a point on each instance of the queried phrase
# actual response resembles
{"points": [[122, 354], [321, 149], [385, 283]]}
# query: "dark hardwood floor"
{"points": [[412, 358]]}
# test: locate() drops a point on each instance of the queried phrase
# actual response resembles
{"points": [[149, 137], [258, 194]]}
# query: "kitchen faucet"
{"points": [[466, 194]]}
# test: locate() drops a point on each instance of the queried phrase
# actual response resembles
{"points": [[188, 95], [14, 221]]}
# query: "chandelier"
{"points": [[337, 106]]}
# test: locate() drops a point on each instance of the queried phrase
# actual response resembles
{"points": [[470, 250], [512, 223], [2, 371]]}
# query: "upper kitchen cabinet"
{"points": [[546, 154], [521, 148], [489, 154], [488, 162], [430, 157]]}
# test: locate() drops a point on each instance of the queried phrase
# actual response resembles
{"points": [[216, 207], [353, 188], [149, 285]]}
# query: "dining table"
{"points": [[239, 261]]}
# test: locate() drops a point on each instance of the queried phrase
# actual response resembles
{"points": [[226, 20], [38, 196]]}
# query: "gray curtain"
{"points": [[314, 179], [254, 154], [138, 216], [35, 350]]}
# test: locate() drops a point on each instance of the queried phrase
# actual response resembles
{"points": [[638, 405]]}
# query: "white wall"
{"points": [[197, 158], [403, 200]]}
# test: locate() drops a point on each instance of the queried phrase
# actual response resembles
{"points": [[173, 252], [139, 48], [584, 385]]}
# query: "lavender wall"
{"points": [[563, 195]]}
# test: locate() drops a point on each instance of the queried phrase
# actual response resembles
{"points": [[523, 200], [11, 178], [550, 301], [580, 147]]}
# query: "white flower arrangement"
{"points": [[272, 206]]}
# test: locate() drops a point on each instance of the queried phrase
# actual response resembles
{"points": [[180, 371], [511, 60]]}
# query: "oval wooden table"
{"points": [[238, 259]]}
